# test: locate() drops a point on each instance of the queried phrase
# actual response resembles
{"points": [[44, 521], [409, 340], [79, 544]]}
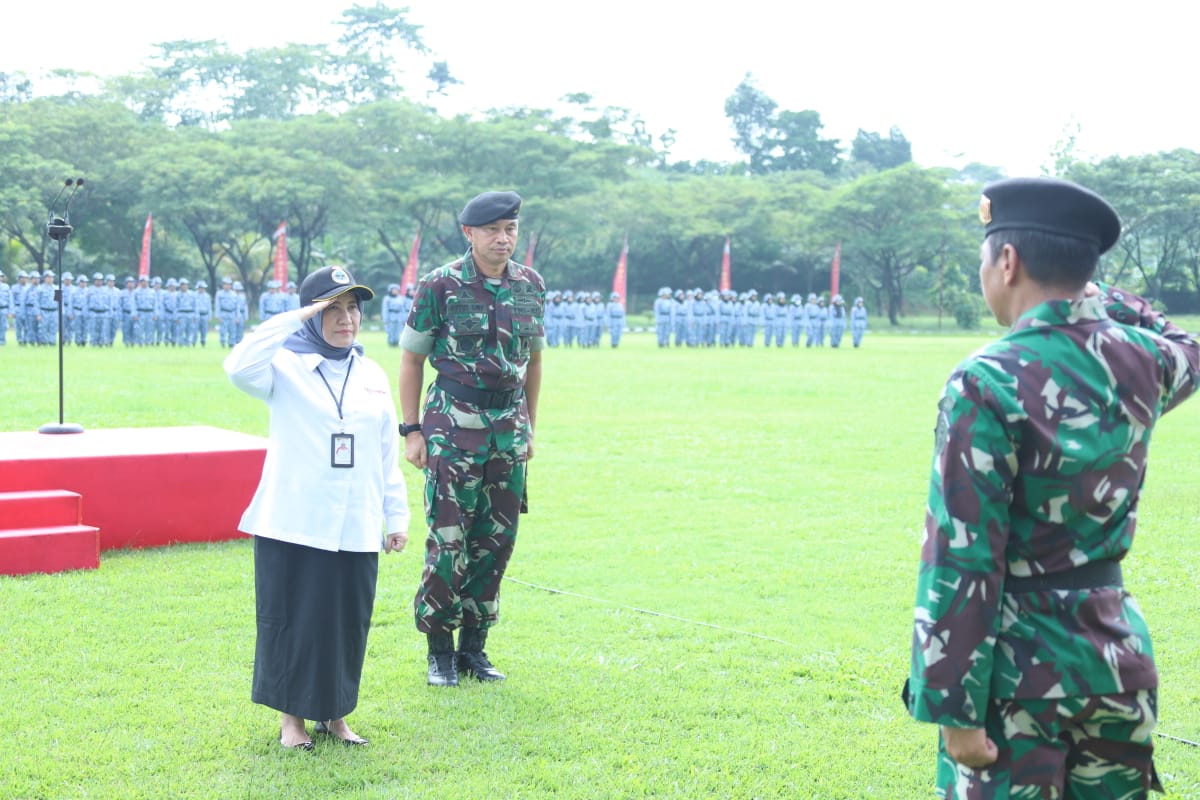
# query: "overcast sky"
{"points": [[998, 83]]}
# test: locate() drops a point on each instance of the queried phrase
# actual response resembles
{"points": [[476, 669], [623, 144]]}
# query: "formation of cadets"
{"points": [[151, 312], [707, 319], [394, 311], [144, 312], [581, 318]]}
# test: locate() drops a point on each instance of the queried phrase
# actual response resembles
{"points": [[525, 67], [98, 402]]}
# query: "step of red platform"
{"points": [[40, 509], [49, 549]]}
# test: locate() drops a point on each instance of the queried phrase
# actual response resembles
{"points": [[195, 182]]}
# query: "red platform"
{"points": [[142, 487], [43, 532]]}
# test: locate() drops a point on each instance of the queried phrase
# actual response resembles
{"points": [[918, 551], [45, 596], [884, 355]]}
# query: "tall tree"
{"points": [[871, 148], [367, 67], [796, 144], [896, 220], [752, 114], [1158, 199]]}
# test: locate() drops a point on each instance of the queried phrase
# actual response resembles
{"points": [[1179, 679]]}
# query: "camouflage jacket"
{"points": [[1039, 457], [476, 331]]}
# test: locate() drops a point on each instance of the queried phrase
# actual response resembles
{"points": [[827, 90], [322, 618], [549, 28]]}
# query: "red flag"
{"points": [[281, 254], [619, 276], [410, 269], [144, 261], [529, 250], [725, 284], [834, 269]]}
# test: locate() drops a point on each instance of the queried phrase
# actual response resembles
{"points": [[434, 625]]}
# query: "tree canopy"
{"points": [[220, 147]]}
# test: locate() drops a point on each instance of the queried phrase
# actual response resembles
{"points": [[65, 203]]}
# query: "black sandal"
{"points": [[357, 741]]}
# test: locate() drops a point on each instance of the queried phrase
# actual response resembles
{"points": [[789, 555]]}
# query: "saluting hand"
{"points": [[310, 311]]}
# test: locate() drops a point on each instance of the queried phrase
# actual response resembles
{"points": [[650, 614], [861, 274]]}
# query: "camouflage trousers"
{"points": [[1074, 748], [472, 507]]}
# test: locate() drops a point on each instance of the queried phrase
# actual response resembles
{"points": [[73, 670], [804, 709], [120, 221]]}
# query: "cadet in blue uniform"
{"points": [[143, 313], [33, 311], [169, 311], [185, 315], [858, 321], [392, 314], [837, 320], [69, 312], [157, 326], [18, 305], [114, 308], [553, 322], [74, 300], [5, 306], [779, 329], [89, 327], [769, 312], [725, 315], [126, 310], [795, 319], [662, 316], [752, 318], [227, 306], [47, 310], [243, 311], [614, 315], [270, 302], [811, 313], [204, 310], [578, 321]]}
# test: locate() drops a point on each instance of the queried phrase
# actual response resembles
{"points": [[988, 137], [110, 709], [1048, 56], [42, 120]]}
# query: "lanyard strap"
{"points": [[337, 400]]}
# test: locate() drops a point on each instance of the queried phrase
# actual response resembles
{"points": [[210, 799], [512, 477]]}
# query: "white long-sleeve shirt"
{"points": [[301, 498]]}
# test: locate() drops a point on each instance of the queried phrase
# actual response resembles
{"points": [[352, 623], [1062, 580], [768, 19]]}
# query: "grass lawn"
{"points": [[711, 597]]}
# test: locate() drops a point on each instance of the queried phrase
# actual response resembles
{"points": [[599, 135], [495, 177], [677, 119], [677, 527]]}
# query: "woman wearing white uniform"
{"points": [[331, 486]]}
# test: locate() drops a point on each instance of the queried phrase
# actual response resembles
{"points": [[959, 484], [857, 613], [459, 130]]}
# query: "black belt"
{"points": [[1092, 575], [484, 398]]}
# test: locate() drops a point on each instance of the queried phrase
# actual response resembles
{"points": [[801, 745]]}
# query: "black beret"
{"points": [[1049, 205], [329, 282], [489, 207]]}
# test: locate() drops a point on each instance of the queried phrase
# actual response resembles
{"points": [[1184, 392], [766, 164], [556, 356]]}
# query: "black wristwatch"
{"points": [[405, 430]]}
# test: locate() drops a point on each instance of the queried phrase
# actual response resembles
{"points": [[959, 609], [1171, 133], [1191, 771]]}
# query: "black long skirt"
{"points": [[314, 612]]}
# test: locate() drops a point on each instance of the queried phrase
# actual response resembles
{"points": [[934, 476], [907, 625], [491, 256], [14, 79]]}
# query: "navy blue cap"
{"points": [[329, 282], [489, 207], [1049, 205]]}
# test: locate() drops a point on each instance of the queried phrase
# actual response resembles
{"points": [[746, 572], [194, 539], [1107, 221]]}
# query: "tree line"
{"points": [[221, 147]]}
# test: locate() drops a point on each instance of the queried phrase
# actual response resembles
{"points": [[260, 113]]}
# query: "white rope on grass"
{"points": [[565, 593], [723, 628]]}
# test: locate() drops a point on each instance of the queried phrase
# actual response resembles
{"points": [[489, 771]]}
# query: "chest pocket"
{"points": [[466, 325]]}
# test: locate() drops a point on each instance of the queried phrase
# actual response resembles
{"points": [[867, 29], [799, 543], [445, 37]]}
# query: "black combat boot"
{"points": [[471, 658], [442, 668]]}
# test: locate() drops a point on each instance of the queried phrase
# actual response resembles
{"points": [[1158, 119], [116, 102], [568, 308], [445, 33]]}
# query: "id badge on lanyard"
{"points": [[341, 450], [341, 445]]}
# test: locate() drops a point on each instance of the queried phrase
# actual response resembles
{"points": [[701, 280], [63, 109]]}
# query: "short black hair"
{"points": [[1050, 259]]}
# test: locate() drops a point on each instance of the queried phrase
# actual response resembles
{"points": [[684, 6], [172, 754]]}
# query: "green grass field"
{"points": [[711, 596]]}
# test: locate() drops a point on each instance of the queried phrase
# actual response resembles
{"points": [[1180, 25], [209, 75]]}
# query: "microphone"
{"points": [[66, 186], [67, 205], [59, 228]]}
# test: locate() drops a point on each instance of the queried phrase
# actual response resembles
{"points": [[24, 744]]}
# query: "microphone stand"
{"points": [[59, 229]]}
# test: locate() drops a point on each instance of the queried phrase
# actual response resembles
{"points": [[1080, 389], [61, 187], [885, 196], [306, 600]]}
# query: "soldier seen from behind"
{"points": [[1027, 650]]}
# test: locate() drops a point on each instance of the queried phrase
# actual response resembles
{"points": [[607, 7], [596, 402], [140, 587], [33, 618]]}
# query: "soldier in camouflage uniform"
{"points": [[1027, 651], [480, 322]]}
